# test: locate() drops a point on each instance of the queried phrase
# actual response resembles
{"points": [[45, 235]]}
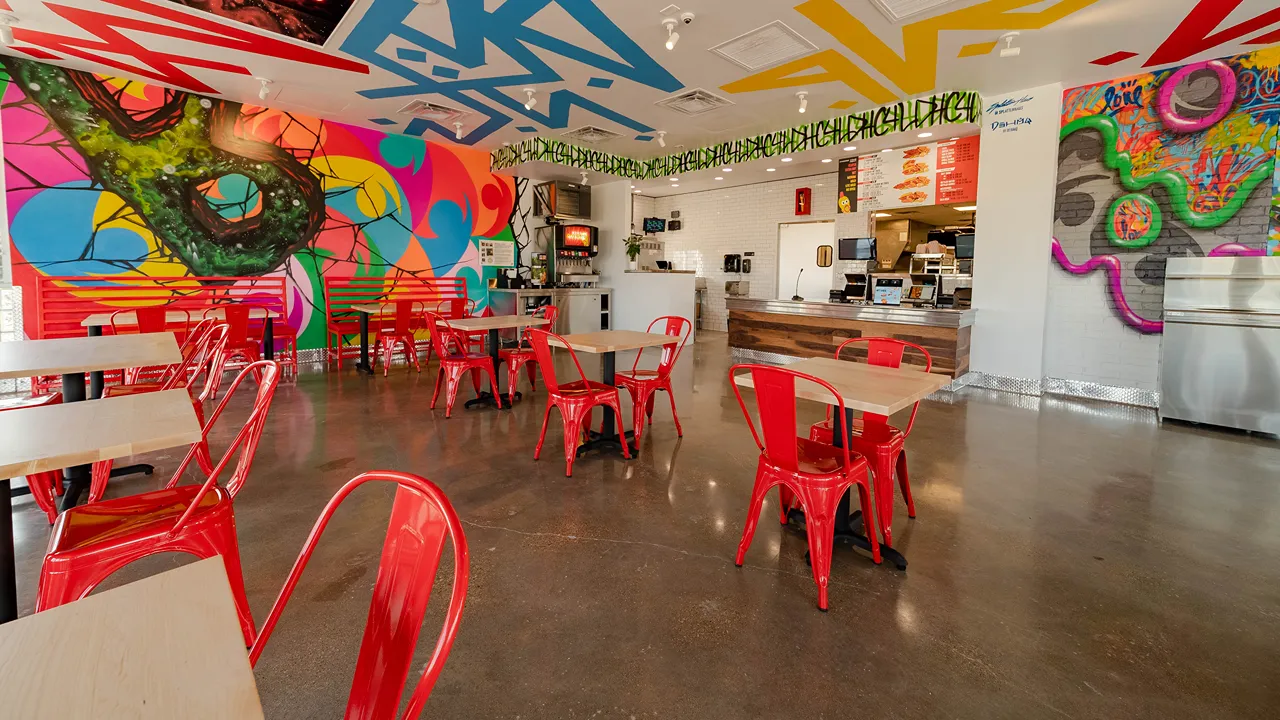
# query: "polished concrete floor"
{"points": [[1068, 560]]}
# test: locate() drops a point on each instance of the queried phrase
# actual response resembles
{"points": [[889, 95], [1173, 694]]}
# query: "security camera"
{"points": [[686, 18]]}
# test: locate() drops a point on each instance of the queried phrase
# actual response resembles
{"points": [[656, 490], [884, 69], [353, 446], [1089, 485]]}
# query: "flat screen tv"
{"points": [[654, 225], [964, 247], [858, 248]]}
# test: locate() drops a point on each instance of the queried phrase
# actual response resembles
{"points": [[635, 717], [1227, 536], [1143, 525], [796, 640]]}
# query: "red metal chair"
{"points": [[401, 332], [420, 518], [454, 362], [147, 320], [523, 356], [460, 308], [873, 436], [46, 484], [203, 358], [92, 541], [575, 399], [642, 384], [818, 474], [284, 336], [239, 344]]}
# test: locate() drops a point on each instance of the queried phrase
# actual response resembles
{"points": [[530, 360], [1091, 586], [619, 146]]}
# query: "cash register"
{"points": [[859, 257]]}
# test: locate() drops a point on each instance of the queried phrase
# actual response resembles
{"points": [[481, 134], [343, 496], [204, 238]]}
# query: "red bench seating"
{"points": [[341, 292]]}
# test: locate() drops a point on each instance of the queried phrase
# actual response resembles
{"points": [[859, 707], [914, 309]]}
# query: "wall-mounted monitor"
{"points": [[858, 248], [964, 246], [654, 225]]}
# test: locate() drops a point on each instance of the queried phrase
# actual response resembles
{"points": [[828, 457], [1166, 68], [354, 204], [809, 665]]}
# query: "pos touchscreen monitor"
{"points": [[858, 248]]}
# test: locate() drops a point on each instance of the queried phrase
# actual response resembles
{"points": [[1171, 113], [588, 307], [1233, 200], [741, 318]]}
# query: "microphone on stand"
{"points": [[796, 297]]}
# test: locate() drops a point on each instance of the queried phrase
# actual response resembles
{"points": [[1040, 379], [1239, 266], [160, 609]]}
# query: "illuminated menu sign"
{"points": [[577, 236], [917, 175], [847, 190]]}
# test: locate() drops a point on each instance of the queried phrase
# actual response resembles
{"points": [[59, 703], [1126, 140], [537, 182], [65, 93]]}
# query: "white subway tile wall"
{"points": [[1085, 339], [738, 220]]}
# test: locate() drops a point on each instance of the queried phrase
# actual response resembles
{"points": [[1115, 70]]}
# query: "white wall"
{"points": [[1017, 173], [798, 245], [740, 220]]}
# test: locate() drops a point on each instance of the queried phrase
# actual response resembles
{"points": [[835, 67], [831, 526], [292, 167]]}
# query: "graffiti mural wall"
{"points": [[1174, 163], [114, 177]]}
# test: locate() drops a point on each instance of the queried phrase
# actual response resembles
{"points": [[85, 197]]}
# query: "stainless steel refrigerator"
{"points": [[1220, 359]]}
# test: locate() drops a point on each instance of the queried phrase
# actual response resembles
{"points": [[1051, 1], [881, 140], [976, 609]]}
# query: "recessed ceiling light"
{"points": [[637, 192], [826, 160], [887, 150], [966, 208], [786, 159], [925, 135], [719, 178], [675, 179], [728, 169], [883, 215], [673, 185], [851, 148], [770, 169]]}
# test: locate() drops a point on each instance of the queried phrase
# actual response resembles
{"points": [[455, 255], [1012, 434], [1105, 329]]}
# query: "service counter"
{"points": [[815, 329]]}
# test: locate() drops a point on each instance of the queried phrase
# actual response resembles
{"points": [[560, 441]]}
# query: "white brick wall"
{"points": [[738, 220], [1085, 340]]}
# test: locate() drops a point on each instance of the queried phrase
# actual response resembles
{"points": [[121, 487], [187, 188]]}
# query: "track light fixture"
{"points": [[264, 91], [531, 100], [673, 37], [662, 138], [457, 130], [1009, 50], [6, 28], [584, 178], [804, 100]]}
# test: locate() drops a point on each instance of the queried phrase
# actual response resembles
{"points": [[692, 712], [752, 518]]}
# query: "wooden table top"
{"points": [[176, 316], [606, 341], [57, 436], [868, 388], [166, 646], [496, 322], [63, 356]]}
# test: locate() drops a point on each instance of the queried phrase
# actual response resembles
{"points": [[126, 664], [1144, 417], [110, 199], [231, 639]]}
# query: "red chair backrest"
{"points": [[246, 441], [540, 340], [199, 357], [141, 320], [888, 352], [237, 320], [550, 312], [675, 326], [421, 517], [775, 389], [343, 291], [443, 336], [407, 313]]}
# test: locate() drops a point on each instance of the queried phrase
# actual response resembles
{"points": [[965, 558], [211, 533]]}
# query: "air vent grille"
{"points": [[764, 47], [694, 102], [897, 10], [442, 114], [591, 134]]}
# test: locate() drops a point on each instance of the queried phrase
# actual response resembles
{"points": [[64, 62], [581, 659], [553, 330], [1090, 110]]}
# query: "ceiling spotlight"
{"points": [[726, 169], [457, 130], [850, 148], [264, 92], [675, 185], [719, 178], [673, 37], [804, 100], [6, 28], [637, 192], [584, 179], [1009, 50], [675, 179], [662, 138], [530, 99], [786, 159], [771, 169], [925, 135], [826, 160]]}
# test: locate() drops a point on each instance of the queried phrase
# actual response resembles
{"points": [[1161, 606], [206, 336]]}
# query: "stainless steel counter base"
{"points": [[928, 317]]}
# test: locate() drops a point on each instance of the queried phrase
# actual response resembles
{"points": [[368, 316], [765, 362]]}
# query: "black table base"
{"points": [[607, 440], [486, 398], [363, 366]]}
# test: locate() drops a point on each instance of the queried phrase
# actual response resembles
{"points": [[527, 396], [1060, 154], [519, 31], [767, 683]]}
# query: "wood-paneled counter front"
{"points": [[816, 329]]}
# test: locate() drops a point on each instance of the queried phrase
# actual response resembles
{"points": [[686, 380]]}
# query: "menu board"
{"points": [[847, 191], [925, 174]]}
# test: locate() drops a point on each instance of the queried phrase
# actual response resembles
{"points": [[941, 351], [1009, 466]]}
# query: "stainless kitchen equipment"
{"points": [[1220, 358], [581, 309]]}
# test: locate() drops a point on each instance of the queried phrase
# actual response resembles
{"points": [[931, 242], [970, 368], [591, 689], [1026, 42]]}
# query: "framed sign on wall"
{"points": [[804, 201]]}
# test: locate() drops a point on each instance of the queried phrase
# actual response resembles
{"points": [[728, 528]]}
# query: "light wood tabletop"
{"points": [[58, 436], [867, 388], [166, 646], [607, 341], [256, 312], [63, 356], [496, 322], [373, 308]]}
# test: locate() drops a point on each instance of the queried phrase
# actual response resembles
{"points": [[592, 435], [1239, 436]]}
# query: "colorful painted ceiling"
{"points": [[603, 64]]}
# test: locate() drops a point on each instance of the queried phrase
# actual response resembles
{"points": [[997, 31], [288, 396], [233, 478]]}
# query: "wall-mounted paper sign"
{"points": [[497, 253]]}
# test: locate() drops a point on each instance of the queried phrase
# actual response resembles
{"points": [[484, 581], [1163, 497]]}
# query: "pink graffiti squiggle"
{"points": [[1228, 249], [1112, 265]]}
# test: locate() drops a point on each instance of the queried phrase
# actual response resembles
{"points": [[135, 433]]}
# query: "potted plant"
{"points": [[633, 250]]}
